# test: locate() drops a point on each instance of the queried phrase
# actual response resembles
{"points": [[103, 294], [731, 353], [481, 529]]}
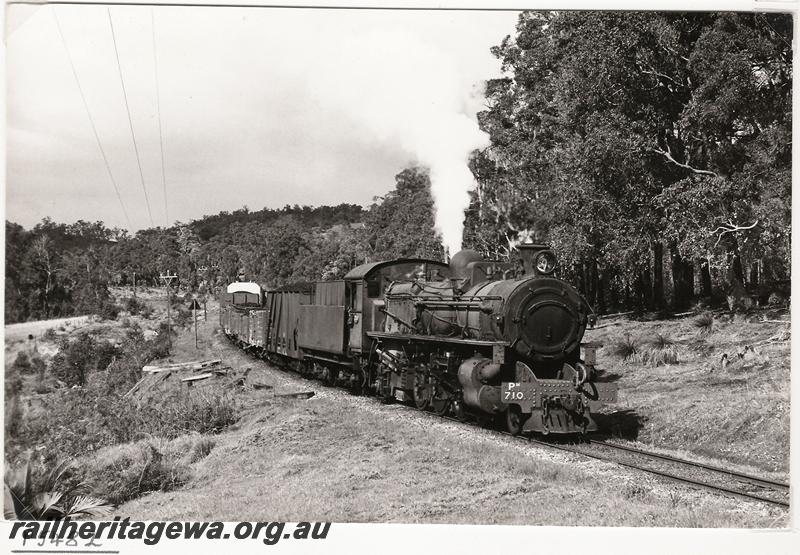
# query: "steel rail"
{"points": [[747, 477], [690, 481], [669, 475]]}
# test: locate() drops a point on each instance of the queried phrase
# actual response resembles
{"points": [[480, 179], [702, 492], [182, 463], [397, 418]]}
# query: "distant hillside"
{"points": [[59, 270], [312, 216]]}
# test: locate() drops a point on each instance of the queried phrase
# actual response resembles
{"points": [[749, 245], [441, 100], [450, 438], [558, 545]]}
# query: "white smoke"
{"points": [[408, 93]]}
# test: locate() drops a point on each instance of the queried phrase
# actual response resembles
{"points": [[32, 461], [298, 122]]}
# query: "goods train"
{"points": [[490, 340]]}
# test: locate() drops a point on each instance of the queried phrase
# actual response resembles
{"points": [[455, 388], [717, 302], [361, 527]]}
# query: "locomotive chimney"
{"points": [[528, 252], [460, 261]]}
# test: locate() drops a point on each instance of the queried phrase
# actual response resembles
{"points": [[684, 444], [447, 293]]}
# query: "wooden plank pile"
{"points": [[158, 373], [193, 365], [196, 371]]}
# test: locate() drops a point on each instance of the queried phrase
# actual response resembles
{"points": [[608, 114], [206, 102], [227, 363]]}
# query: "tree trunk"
{"points": [[682, 279], [599, 288], [735, 270], [591, 284], [613, 293], [645, 295], [705, 278], [628, 301], [658, 275], [754, 274]]}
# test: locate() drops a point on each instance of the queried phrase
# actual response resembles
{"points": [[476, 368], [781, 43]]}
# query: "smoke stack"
{"points": [[460, 260]]}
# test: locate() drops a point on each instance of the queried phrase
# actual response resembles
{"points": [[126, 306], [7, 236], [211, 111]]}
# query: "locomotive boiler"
{"points": [[473, 338]]}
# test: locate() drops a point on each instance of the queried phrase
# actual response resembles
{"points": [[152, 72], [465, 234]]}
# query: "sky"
{"points": [[261, 108]]}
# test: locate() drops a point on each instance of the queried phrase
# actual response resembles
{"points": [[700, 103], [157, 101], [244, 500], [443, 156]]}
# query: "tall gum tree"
{"points": [[604, 119]]}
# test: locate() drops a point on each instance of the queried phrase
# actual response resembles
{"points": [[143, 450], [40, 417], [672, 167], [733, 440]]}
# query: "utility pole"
{"points": [[205, 290], [194, 317], [167, 279]]}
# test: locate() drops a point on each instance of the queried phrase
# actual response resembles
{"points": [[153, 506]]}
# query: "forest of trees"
{"points": [[57, 270], [652, 151]]}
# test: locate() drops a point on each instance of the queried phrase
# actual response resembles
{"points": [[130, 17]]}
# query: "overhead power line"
{"points": [[91, 120], [158, 111], [130, 121]]}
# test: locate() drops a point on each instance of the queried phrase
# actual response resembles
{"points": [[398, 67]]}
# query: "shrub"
{"points": [[13, 414], [662, 342], [72, 422], [134, 305], [123, 472], [704, 323], [29, 364], [108, 311], [38, 494], [78, 358], [662, 350], [627, 348], [22, 363], [201, 449], [146, 312], [660, 356], [181, 316]]}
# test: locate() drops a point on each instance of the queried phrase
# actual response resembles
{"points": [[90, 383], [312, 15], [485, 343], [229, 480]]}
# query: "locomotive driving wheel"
{"points": [[423, 391], [440, 401]]}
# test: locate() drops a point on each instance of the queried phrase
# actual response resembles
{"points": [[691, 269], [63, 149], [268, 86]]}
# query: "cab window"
{"points": [[374, 285]]}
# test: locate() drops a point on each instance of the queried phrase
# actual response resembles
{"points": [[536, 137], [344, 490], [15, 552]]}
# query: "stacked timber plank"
{"points": [[155, 374], [193, 365]]}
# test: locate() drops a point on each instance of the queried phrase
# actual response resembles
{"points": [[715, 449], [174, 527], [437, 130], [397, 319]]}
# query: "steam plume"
{"points": [[406, 92]]}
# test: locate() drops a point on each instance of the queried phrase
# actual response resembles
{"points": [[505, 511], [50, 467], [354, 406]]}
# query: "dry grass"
{"points": [[123, 472], [320, 460], [737, 411]]}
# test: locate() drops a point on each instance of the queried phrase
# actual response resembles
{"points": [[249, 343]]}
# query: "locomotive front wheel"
{"points": [[514, 420]]}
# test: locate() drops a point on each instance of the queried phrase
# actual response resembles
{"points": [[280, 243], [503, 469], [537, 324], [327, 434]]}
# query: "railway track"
{"points": [[700, 475], [692, 473], [688, 472]]}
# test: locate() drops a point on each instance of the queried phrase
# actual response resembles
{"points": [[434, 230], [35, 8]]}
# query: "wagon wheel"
{"points": [[515, 420], [422, 391], [357, 381], [325, 376]]}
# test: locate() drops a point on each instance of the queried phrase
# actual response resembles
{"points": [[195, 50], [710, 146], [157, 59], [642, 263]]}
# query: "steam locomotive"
{"points": [[473, 337]]}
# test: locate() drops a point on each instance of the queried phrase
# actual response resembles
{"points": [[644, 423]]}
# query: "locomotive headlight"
{"points": [[545, 263]]}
